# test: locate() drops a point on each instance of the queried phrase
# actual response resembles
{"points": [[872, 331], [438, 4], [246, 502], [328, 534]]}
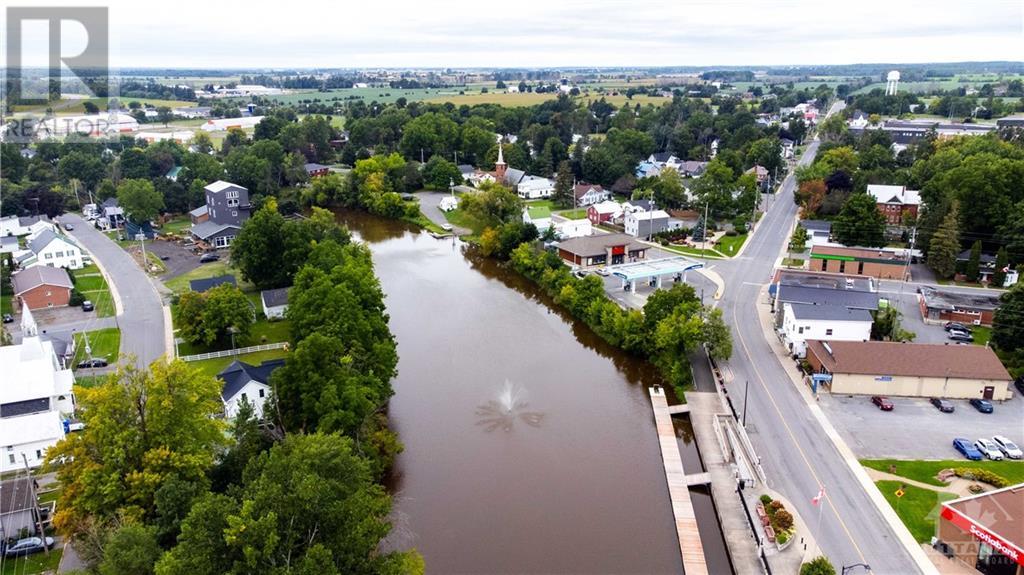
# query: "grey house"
{"points": [[18, 508], [227, 208]]}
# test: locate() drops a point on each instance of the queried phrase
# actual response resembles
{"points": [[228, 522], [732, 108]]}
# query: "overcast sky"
{"points": [[553, 33]]}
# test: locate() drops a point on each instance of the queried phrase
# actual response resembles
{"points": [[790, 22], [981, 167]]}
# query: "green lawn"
{"points": [[577, 214], [918, 507], [274, 331], [214, 366], [105, 343], [37, 563], [687, 250], [5, 303], [925, 471], [464, 220], [103, 301], [729, 245], [49, 496], [981, 334], [176, 225], [90, 283], [88, 270], [541, 204], [212, 269], [793, 262]]}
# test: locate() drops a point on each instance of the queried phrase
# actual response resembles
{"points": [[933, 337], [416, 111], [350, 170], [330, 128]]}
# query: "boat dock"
{"points": [[690, 544]]}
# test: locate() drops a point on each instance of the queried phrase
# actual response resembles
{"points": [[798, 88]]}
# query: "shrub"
{"points": [[818, 566], [782, 520], [781, 538], [983, 475], [766, 499], [774, 507], [732, 233], [76, 298]]}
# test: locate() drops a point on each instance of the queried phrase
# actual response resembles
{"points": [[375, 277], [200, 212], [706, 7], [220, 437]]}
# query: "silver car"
{"points": [[1008, 447], [27, 546], [989, 449]]}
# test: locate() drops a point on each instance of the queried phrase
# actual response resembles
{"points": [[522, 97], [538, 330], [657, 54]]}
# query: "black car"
{"points": [[8, 318], [951, 325], [88, 306], [94, 362], [208, 257], [957, 335], [943, 405], [982, 405]]}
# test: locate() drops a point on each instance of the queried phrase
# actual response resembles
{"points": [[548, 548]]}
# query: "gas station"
{"points": [[653, 271]]}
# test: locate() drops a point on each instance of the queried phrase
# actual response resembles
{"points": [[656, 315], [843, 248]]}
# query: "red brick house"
{"points": [[316, 170], [896, 202], [42, 287]]}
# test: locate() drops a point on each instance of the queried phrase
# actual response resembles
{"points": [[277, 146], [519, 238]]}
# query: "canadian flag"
{"points": [[817, 498]]}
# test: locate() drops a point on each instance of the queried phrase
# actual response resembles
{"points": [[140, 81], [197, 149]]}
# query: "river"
{"points": [[530, 445]]}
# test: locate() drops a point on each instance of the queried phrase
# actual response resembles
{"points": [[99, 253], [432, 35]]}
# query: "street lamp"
{"points": [[849, 568]]}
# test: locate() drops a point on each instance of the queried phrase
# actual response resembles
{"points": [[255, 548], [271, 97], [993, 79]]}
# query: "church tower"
{"points": [[500, 166]]}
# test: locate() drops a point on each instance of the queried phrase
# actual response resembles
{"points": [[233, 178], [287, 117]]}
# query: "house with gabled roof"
{"points": [[895, 202], [589, 194], [42, 287], [227, 208], [244, 382]]}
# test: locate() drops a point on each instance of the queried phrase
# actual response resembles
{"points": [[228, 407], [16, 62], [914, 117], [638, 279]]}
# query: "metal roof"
{"points": [[653, 268]]}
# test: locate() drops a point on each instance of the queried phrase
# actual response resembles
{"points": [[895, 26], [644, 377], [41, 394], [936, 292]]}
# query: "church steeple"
{"points": [[500, 166]]}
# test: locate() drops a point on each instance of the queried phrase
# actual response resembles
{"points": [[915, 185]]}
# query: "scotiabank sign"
{"points": [[982, 534]]}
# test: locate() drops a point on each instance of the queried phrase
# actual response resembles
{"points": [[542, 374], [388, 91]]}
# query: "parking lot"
{"points": [[915, 429], [179, 259]]}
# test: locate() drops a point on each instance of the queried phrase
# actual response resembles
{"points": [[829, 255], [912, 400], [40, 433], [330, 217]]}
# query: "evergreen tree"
{"points": [[973, 270], [697, 234], [562, 196], [945, 244], [1007, 329], [1002, 261]]}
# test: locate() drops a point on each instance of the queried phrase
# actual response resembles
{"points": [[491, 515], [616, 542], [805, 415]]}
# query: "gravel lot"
{"points": [[915, 429]]}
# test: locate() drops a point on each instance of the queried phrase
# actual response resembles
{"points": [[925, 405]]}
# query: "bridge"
{"points": [[677, 266]]}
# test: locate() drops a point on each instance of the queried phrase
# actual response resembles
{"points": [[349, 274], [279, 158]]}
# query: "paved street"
{"points": [[429, 202], [925, 432], [142, 317]]}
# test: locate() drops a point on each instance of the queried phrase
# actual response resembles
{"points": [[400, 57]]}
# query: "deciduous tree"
{"points": [[139, 200], [860, 223]]}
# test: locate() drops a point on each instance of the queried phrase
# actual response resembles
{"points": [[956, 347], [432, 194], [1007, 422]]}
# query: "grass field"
{"points": [[464, 220], [926, 470], [729, 245], [105, 343], [6, 303], [77, 106], [29, 564], [212, 367], [577, 214], [209, 270], [176, 225], [793, 262], [981, 334], [86, 283], [918, 508], [687, 250]]}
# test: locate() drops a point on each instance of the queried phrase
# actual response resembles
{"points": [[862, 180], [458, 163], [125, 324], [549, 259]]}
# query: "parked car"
{"points": [[8, 318], [603, 271], [989, 449], [28, 546], [209, 257], [965, 447], [1019, 384], [447, 227], [982, 405], [581, 273], [1008, 447], [882, 402], [951, 325], [960, 336], [87, 305], [94, 362], [943, 405], [69, 227]]}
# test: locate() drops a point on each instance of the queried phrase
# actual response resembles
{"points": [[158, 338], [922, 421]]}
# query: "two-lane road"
{"points": [[141, 316]]}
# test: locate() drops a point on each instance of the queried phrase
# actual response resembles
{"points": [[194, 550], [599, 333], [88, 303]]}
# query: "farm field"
{"points": [[77, 106]]}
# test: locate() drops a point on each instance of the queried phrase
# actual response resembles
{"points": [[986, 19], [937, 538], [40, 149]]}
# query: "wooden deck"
{"points": [[678, 487]]}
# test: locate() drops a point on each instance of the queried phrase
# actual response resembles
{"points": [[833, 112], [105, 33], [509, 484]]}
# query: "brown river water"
{"points": [[530, 445]]}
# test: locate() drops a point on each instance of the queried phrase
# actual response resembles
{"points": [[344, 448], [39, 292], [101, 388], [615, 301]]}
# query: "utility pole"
{"points": [[704, 236], [746, 388], [35, 504], [910, 255]]}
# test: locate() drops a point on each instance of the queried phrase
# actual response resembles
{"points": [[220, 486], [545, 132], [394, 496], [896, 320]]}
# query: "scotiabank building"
{"points": [[986, 531]]}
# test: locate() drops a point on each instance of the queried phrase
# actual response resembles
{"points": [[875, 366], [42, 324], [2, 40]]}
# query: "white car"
{"points": [[989, 449], [603, 271], [1008, 447]]}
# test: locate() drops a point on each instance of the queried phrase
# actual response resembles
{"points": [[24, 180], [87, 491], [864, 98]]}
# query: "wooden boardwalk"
{"points": [[678, 487]]}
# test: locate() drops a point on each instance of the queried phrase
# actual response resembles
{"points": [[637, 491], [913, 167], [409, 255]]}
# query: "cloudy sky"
{"points": [[555, 33]]}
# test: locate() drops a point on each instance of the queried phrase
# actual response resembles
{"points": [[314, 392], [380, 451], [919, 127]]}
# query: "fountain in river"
{"points": [[509, 406]]}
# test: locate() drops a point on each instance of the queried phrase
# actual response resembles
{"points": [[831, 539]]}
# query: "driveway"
{"points": [[142, 316], [180, 259], [914, 429], [429, 202]]}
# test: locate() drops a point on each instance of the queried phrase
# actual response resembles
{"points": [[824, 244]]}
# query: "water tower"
{"points": [[891, 81]]}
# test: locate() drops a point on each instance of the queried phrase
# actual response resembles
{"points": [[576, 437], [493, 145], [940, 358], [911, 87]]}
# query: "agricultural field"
{"points": [[77, 106]]}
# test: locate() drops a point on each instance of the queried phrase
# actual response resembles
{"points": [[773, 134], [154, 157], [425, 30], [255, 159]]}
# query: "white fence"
{"points": [[236, 351]]}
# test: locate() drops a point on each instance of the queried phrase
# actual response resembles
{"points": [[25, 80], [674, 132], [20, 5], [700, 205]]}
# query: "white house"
{"points": [[245, 382], [535, 187], [588, 194], [566, 228], [448, 203], [275, 302], [25, 226], [36, 397], [55, 250], [801, 322]]}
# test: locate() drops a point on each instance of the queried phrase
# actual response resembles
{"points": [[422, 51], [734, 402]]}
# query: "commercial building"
{"points": [[940, 306], [36, 396], [876, 263], [224, 124], [984, 532], [801, 322], [848, 296], [910, 369], [96, 125], [601, 249]]}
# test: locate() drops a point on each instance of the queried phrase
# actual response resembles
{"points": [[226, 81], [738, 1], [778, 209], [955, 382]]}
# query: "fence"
{"points": [[236, 351]]}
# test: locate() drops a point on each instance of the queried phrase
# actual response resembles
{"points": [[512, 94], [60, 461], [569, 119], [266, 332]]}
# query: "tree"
{"points": [[428, 135], [716, 335], [164, 115], [324, 191], [212, 316], [798, 242], [141, 429], [818, 565], [860, 223], [973, 269], [1002, 264], [492, 204], [90, 108], [1012, 234], [131, 550], [1007, 327], [810, 196], [563, 193], [715, 188], [439, 174], [139, 200], [944, 246], [669, 191], [309, 506]]}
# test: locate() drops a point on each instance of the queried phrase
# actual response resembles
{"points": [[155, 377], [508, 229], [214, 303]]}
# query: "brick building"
{"points": [[42, 287], [858, 261], [940, 306], [896, 202]]}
